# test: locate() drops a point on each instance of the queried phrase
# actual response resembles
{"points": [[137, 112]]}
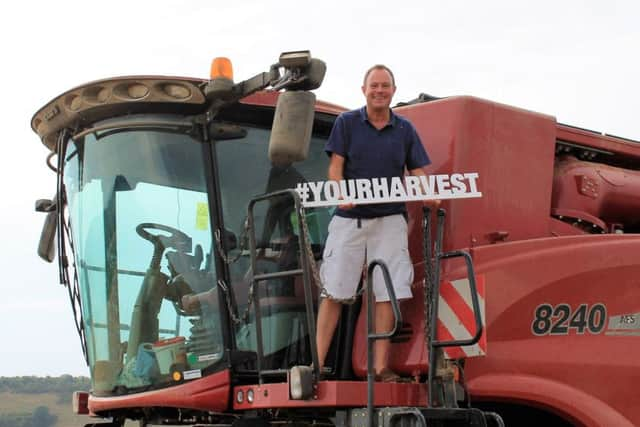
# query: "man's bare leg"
{"points": [[384, 322], [328, 315]]}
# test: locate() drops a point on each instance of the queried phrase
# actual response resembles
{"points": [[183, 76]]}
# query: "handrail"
{"points": [[304, 270], [371, 336], [474, 302], [433, 342]]}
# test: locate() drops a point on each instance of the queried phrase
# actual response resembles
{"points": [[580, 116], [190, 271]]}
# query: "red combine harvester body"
{"points": [[555, 237], [193, 262]]}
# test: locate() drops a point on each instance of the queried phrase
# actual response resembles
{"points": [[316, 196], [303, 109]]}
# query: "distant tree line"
{"points": [[41, 417], [63, 386]]}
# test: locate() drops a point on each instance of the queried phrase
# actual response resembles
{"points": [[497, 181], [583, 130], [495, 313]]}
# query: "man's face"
{"points": [[378, 90]]}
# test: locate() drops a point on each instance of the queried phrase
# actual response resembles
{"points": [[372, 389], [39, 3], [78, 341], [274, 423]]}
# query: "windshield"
{"points": [[244, 171], [139, 213]]}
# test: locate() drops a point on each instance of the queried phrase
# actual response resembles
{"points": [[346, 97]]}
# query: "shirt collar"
{"points": [[392, 116]]}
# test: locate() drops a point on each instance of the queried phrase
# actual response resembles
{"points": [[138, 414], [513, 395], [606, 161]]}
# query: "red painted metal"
{"points": [[571, 403], [210, 393], [537, 260], [463, 325], [573, 271], [332, 394], [79, 402], [596, 193], [593, 139], [269, 99]]}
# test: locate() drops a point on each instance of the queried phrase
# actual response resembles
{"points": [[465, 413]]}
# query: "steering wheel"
{"points": [[175, 240]]}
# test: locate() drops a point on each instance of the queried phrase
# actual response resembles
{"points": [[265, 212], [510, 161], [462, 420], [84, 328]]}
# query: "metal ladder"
{"points": [[256, 279], [440, 370], [417, 416], [372, 337], [445, 409], [408, 416]]}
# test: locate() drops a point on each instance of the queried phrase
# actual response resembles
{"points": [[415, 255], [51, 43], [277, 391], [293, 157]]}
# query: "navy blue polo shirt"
{"points": [[372, 153]]}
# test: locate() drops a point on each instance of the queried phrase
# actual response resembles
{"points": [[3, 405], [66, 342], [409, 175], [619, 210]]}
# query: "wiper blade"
{"points": [[164, 125]]}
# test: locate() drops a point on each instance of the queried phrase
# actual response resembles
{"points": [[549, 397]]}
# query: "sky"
{"points": [[575, 60]]}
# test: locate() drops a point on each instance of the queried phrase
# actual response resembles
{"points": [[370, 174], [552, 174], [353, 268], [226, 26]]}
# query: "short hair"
{"points": [[379, 67]]}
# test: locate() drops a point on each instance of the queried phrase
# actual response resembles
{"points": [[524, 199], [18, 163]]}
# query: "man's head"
{"points": [[378, 87]]}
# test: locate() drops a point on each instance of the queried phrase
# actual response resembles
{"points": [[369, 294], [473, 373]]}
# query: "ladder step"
{"points": [[277, 275]]}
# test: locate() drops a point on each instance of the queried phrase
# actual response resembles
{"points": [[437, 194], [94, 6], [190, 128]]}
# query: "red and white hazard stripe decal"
{"points": [[456, 320]]}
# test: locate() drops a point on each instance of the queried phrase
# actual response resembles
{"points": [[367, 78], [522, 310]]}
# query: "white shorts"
{"points": [[349, 246]]}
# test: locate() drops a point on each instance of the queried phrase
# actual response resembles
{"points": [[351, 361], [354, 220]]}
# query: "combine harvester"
{"points": [[190, 262]]}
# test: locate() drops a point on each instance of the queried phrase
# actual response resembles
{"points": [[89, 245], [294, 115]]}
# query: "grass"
{"points": [[22, 404]]}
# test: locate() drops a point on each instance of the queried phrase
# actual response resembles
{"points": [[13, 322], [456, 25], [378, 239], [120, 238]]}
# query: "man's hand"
{"points": [[190, 303], [345, 205], [432, 204]]}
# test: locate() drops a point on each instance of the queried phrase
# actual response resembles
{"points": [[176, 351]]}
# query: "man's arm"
{"points": [[336, 167], [417, 172], [428, 203], [336, 173]]}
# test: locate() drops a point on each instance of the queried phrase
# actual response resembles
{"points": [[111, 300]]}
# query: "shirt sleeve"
{"points": [[417, 156], [337, 142]]}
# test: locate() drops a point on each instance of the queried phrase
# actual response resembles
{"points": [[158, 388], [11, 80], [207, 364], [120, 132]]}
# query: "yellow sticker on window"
{"points": [[202, 216]]}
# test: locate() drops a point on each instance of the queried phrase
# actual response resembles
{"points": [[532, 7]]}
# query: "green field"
{"points": [[24, 404]]}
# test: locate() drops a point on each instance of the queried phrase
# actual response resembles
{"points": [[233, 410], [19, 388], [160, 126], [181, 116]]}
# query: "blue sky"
{"points": [[575, 60]]}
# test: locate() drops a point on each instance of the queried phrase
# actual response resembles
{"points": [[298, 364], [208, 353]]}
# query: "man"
{"points": [[371, 142]]}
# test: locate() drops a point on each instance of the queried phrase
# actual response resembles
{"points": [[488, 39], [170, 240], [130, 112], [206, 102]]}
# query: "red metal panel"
{"points": [[456, 319], [269, 99], [603, 142], [596, 193], [333, 394], [572, 404], [573, 273], [511, 149], [210, 393]]}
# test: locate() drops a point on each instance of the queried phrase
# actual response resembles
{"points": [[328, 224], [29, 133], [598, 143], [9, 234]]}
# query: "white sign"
{"points": [[192, 374], [380, 190]]}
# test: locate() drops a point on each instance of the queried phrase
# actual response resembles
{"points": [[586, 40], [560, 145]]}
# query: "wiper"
{"points": [[115, 127], [221, 131]]}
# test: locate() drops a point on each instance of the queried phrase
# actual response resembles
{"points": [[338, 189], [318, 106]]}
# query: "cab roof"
{"points": [[84, 105]]}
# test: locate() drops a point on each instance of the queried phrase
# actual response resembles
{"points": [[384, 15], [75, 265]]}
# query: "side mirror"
{"points": [[302, 72], [315, 74], [292, 126], [46, 246], [45, 205]]}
